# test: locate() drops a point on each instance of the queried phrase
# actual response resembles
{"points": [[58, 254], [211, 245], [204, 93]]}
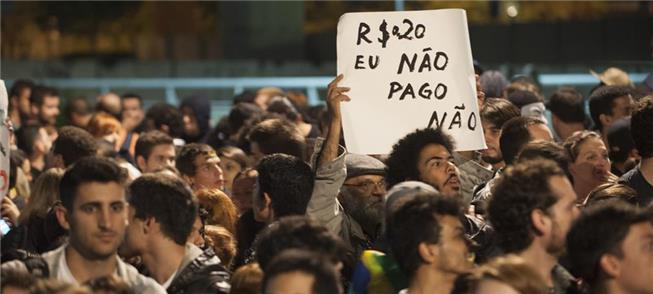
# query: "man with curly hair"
{"points": [[532, 208], [425, 155]]}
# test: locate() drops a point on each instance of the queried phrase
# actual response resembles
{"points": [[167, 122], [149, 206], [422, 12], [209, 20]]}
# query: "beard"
{"points": [[556, 246], [367, 211], [492, 159]]}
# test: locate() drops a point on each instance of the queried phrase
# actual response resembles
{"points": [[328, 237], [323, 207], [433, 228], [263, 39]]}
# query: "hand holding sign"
{"points": [[407, 70]]}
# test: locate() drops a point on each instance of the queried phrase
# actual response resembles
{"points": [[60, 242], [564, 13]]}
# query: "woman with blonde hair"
{"points": [[44, 195]]}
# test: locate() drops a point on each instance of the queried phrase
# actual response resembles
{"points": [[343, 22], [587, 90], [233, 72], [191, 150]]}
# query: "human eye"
{"points": [[117, 207], [89, 208]]}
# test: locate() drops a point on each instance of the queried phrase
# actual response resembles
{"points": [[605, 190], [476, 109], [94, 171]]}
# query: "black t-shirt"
{"points": [[636, 180]]}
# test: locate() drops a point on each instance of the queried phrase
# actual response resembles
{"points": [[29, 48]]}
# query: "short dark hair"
{"points": [[166, 199], [641, 124], [602, 100], [521, 189], [26, 136], [86, 170], [522, 98], [18, 86], [278, 136], [132, 96], [297, 232], [185, 162], [546, 150], [402, 161], [165, 114], [40, 92], [568, 105], [288, 181], [283, 106], [148, 140], [498, 111], [514, 135], [599, 230], [415, 222], [73, 144], [325, 276], [77, 105]]}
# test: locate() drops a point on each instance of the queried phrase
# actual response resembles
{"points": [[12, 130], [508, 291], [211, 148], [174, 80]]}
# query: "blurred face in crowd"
{"points": [[492, 133], [23, 103], [132, 111], [592, 165], [208, 174], [196, 233], [621, 107], [27, 170], [362, 197], [540, 132], [49, 110], [561, 215], [97, 222], [436, 168], [191, 128], [632, 267], [450, 255], [43, 142], [243, 189], [134, 243], [295, 282], [161, 156], [230, 168]]}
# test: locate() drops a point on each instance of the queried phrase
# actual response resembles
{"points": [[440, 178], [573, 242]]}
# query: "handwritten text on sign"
{"points": [[407, 70]]}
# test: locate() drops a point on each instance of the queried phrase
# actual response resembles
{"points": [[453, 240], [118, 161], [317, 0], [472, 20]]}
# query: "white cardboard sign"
{"points": [[407, 70], [4, 141]]}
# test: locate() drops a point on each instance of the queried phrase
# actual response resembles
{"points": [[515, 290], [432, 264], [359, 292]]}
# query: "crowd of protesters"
{"points": [[110, 197]]}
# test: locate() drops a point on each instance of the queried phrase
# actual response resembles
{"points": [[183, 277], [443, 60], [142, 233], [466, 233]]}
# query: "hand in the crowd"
{"points": [[9, 210], [480, 95], [335, 95]]}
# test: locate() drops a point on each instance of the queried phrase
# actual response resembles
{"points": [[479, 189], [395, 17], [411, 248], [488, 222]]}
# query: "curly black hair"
{"points": [[402, 162], [521, 189]]}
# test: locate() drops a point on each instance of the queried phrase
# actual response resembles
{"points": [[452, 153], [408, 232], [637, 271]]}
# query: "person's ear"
{"points": [[428, 252], [610, 265], [62, 216], [605, 119], [57, 161], [540, 221], [34, 109], [140, 162], [267, 202]]}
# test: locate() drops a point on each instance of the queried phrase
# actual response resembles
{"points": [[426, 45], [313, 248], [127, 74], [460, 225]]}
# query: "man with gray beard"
{"points": [[361, 196]]}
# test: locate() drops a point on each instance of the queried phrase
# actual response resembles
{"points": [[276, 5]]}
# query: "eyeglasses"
{"points": [[368, 186]]}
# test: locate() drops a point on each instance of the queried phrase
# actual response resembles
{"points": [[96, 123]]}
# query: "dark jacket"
{"points": [[201, 272], [37, 235]]}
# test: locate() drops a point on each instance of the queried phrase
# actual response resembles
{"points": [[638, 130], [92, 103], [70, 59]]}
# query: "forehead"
{"points": [[206, 158], [364, 178], [449, 223], [591, 144], [637, 233], [99, 192], [432, 150]]}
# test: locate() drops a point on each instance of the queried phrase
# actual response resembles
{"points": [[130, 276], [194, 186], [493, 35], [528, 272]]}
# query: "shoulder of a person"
{"points": [[140, 283]]}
